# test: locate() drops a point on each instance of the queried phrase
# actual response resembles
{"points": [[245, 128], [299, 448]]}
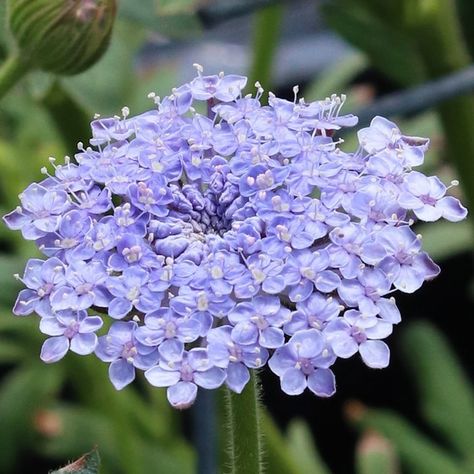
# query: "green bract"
{"points": [[61, 36]]}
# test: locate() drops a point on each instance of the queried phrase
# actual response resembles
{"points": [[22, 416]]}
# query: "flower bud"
{"points": [[62, 36]]}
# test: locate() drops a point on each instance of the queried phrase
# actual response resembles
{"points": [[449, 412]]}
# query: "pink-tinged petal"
{"points": [[121, 373], [162, 378], [237, 377], [452, 209], [84, 344], [293, 382], [322, 383], [375, 354], [182, 395], [54, 349], [211, 378]]}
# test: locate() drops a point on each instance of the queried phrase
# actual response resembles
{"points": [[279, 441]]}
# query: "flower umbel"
{"points": [[219, 242]]}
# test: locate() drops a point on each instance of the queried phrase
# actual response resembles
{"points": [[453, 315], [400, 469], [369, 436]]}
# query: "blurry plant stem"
{"points": [[243, 425], [265, 40], [69, 117], [435, 27], [11, 71]]}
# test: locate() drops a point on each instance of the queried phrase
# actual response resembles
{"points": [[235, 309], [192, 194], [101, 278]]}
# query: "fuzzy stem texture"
{"points": [[11, 71], [243, 422]]}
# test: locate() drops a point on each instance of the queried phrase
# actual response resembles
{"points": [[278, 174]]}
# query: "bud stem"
{"points": [[243, 424], [11, 71]]}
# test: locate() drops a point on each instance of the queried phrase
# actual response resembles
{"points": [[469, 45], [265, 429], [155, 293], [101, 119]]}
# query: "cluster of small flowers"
{"points": [[220, 242]]}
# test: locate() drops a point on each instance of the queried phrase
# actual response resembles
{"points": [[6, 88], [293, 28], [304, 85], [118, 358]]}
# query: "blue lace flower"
{"points": [[226, 240]]}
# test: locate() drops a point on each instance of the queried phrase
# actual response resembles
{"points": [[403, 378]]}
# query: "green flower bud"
{"points": [[61, 36]]}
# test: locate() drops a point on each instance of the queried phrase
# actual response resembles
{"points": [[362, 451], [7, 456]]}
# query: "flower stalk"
{"points": [[243, 421], [11, 71]]}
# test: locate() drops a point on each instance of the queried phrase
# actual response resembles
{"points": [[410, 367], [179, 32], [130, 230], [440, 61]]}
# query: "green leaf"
{"points": [[389, 49], [267, 26], [8, 284], [303, 449], [276, 457], [335, 80], [106, 87], [87, 464], [375, 455], [22, 393], [416, 451], [11, 351], [446, 395], [444, 239], [170, 19]]}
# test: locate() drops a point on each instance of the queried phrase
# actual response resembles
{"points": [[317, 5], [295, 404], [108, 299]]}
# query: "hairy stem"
{"points": [[243, 424]]}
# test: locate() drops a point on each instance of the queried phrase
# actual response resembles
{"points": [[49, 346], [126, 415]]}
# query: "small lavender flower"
{"points": [[259, 320], [182, 372], [70, 330], [41, 278], [226, 240], [297, 362], [358, 332], [121, 348]]}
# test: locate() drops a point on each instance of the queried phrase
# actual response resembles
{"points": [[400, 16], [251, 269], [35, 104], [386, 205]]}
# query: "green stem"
{"points": [[243, 422], [11, 71], [266, 33], [70, 118], [435, 26]]}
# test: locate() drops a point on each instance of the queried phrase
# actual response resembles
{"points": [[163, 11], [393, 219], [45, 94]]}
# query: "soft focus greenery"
{"points": [[53, 413]]}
